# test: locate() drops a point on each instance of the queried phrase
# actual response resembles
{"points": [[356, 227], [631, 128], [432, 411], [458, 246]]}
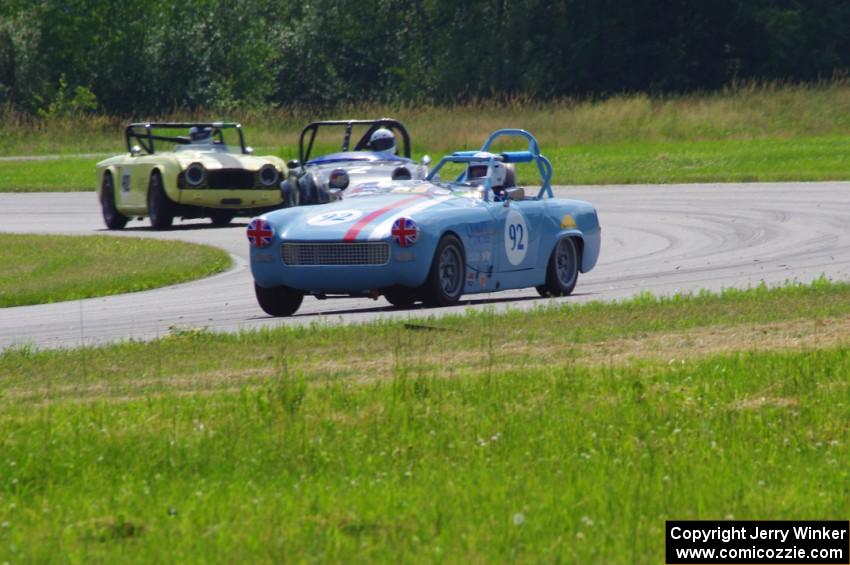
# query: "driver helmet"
{"points": [[382, 139], [476, 171], [200, 134]]}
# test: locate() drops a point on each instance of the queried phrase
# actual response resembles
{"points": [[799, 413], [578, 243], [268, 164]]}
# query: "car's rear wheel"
{"points": [[160, 208], [444, 284], [221, 217], [278, 300], [562, 270], [401, 296], [113, 219]]}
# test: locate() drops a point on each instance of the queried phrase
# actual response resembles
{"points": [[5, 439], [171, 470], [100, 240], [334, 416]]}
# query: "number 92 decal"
{"points": [[516, 237], [334, 218]]}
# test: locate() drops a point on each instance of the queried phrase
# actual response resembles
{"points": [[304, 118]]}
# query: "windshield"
{"points": [[396, 187]]}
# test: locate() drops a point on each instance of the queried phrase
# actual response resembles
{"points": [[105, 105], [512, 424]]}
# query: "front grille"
{"points": [[230, 178], [367, 253]]}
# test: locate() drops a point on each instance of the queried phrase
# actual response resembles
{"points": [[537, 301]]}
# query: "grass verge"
{"points": [[758, 160], [70, 268], [65, 174], [749, 132], [474, 438]]}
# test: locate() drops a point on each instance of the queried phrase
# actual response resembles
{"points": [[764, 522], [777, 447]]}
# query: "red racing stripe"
{"points": [[352, 234]]}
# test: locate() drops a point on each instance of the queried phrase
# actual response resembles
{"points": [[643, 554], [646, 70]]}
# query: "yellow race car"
{"points": [[190, 170]]}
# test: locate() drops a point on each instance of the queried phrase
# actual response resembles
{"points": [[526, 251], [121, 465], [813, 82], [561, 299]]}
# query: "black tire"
{"points": [[160, 208], [113, 219], [221, 217], [562, 270], [444, 284], [278, 300], [401, 296]]}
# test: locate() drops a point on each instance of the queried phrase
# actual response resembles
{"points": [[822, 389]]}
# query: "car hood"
{"points": [[211, 159], [365, 173], [369, 216], [217, 159]]}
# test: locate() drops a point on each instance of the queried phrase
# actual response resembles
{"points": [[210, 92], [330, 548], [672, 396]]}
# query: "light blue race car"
{"points": [[427, 240]]}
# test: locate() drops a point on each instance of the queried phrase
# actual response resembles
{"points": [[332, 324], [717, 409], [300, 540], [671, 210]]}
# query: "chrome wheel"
{"points": [[450, 270], [566, 266], [444, 284], [562, 270]]}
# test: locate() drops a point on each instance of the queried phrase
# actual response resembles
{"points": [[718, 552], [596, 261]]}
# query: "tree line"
{"points": [[136, 58]]}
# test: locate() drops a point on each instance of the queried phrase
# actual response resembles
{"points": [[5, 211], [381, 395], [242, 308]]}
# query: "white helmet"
{"points": [[476, 171], [200, 134], [382, 140]]}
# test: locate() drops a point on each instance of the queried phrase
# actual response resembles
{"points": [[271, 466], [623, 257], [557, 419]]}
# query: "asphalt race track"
{"points": [[662, 239]]}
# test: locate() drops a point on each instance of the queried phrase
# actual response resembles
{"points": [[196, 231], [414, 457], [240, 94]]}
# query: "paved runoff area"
{"points": [[662, 239]]}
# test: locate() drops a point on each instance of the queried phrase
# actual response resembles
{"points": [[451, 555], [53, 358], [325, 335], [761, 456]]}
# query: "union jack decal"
{"points": [[260, 232], [405, 232]]}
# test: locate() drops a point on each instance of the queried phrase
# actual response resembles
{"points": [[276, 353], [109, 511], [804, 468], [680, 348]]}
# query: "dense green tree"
{"points": [[138, 58]]}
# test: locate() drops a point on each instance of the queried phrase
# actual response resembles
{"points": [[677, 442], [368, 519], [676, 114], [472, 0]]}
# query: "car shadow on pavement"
{"points": [[179, 228], [421, 307]]}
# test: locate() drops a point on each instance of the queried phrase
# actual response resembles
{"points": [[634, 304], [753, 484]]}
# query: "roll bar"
{"points": [[312, 129], [143, 133], [532, 154]]}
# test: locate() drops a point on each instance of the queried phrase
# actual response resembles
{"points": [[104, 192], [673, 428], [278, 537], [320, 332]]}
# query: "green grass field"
{"points": [[747, 133], [70, 268], [563, 434], [51, 175], [480, 439], [810, 159]]}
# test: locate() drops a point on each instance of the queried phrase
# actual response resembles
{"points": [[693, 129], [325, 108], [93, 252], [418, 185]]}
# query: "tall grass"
{"points": [[469, 438], [740, 112], [562, 463]]}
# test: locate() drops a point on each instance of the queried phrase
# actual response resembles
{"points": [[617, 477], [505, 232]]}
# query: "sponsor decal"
{"points": [[335, 218], [404, 232], [516, 237], [568, 222], [470, 278], [480, 233], [260, 232], [482, 280]]}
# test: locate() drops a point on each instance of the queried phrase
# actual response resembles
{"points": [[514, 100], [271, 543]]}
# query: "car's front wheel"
{"points": [[562, 270], [444, 284], [113, 219], [160, 208], [278, 300]]}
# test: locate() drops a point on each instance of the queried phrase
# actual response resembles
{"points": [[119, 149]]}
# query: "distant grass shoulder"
{"points": [[470, 438], [748, 133], [40, 269], [757, 160], [64, 174]]}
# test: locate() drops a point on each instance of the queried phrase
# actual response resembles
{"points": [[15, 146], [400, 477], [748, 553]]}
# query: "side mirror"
{"points": [[293, 164], [426, 160], [249, 151], [135, 150]]}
